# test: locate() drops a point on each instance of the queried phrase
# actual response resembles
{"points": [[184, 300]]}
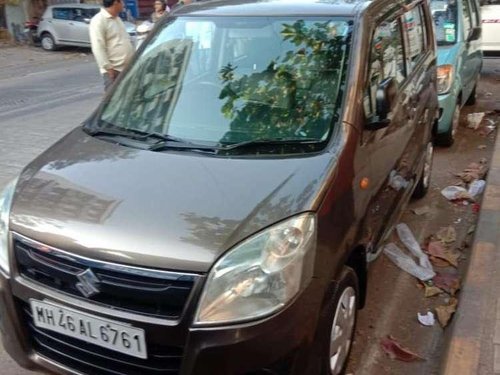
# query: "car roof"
{"points": [[274, 7], [81, 6]]}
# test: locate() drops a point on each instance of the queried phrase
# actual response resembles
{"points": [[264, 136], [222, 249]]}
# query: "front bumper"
{"points": [[276, 345]]}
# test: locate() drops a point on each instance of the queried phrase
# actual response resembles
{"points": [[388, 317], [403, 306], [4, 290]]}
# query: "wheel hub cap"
{"points": [[342, 329]]}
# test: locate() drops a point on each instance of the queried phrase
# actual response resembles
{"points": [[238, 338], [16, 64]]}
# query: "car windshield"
{"points": [[228, 80], [444, 13]]}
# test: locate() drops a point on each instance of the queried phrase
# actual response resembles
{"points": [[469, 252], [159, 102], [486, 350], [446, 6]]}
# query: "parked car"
{"points": [[68, 25], [490, 12], [458, 35], [217, 212]]}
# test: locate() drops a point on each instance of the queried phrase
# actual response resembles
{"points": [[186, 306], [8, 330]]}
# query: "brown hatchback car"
{"points": [[217, 213]]}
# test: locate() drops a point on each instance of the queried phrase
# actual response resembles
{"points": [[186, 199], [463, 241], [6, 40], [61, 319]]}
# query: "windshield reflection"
{"points": [[444, 13], [229, 80]]}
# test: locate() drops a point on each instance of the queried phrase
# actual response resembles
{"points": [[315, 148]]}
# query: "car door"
{"points": [[421, 67], [79, 30], [476, 44], [469, 54], [388, 150], [61, 17]]}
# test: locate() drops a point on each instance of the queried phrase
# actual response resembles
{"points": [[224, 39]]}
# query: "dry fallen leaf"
{"points": [[437, 262], [447, 235], [437, 250], [431, 291], [396, 351], [449, 282], [445, 312]]}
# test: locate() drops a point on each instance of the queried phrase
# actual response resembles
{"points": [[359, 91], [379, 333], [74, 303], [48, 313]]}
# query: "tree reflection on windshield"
{"points": [[295, 95], [236, 79]]}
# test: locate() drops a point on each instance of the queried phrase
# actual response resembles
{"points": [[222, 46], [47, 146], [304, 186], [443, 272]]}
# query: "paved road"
{"points": [[41, 102], [42, 97]]}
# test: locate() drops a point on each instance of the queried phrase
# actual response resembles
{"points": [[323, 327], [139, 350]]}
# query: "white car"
{"points": [[490, 15], [68, 25]]}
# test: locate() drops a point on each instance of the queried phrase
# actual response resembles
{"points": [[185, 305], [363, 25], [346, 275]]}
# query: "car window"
{"points": [[78, 14], [386, 60], [445, 13], [62, 13], [467, 17], [248, 78], [414, 27]]}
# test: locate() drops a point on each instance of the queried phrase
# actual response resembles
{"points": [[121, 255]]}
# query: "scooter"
{"points": [[31, 31]]}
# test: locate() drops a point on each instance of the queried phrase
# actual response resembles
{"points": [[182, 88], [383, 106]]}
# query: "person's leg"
{"points": [[108, 81]]}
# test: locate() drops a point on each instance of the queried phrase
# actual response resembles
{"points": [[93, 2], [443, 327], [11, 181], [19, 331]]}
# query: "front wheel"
{"points": [[473, 96], [425, 178], [448, 138], [343, 311], [48, 43]]}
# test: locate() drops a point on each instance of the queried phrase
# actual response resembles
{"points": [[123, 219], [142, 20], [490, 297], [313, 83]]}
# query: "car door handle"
{"points": [[71, 23]]}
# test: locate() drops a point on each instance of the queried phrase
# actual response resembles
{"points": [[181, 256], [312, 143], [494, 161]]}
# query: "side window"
{"points": [[467, 17], [386, 60], [78, 15], [61, 13], [414, 26]]}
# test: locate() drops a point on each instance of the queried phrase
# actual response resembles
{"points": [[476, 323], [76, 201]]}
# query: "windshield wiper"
{"points": [[270, 142]]}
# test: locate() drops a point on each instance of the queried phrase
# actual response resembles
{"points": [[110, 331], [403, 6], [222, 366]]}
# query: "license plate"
{"points": [[106, 333]]}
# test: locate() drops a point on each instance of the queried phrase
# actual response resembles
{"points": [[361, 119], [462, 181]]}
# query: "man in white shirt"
{"points": [[110, 42]]}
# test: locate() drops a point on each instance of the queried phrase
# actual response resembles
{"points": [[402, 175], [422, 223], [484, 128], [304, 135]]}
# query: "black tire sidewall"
{"points": [[347, 279]]}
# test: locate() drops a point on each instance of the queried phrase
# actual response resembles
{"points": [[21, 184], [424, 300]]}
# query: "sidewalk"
{"points": [[474, 342]]}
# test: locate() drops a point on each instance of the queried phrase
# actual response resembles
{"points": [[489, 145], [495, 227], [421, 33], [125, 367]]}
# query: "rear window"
{"points": [[444, 13]]}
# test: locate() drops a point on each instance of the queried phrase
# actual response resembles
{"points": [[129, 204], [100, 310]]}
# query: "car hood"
{"points": [[447, 55], [175, 210]]}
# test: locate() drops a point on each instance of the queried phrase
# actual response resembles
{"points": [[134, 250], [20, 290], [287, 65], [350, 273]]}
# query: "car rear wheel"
{"points": [[448, 138], [48, 43], [343, 315], [425, 178]]}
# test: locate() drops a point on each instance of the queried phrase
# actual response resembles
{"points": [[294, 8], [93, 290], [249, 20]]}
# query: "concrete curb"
{"points": [[474, 342]]}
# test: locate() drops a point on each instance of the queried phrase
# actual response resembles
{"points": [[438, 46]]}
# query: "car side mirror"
{"points": [[474, 34], [384, 99], [86, 20]]}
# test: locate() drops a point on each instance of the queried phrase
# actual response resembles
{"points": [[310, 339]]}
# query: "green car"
{"points": [[458, 36]]}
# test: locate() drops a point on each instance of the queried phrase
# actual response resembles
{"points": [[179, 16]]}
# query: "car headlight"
{"points": [[5, 202], [262, 274], [444, 78]]}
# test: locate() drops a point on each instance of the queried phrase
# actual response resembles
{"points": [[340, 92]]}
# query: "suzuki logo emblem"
{"points": [[88, 284]]}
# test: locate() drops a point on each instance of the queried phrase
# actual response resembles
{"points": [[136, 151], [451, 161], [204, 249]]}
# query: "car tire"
{"points": [[472, 98], [48, 43], [425, 178], [342, 316], [448, 138]]}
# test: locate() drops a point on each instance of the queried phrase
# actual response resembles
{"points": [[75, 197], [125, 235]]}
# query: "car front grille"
{"points": [[147, 292], [91, 359]]}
